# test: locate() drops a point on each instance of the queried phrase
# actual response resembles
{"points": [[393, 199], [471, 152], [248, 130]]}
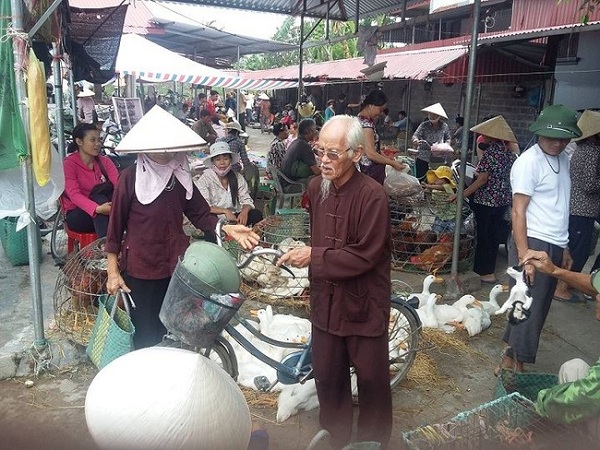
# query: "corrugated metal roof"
{"points": [[414, 65], [535, 14], [339, 9], [536, 33]]}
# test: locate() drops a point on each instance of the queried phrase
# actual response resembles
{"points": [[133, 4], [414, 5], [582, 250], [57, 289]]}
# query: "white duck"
{"points": [[450, 317], [426, 312], [296, 397], [427, 282], [477, 320], [283, 327], [519, 297], [492, 305]]}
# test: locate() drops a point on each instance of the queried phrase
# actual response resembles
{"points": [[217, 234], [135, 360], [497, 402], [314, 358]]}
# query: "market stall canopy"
{"points": [[415, 65], [333, 9], [150, 62], [184, 34]]}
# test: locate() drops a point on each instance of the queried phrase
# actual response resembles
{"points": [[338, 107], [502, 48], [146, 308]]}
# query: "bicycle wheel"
{"points": [[403, 340], [218, 353], [58, 240]]}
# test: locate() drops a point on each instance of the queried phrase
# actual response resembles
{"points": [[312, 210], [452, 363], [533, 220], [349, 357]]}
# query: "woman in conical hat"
{"points": [[585, 196], [146, 222], [491, 193], [430, 132], [512, 145]]}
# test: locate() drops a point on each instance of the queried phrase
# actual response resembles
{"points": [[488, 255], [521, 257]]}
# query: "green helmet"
{"points": [[213, 268], [556, 121]]}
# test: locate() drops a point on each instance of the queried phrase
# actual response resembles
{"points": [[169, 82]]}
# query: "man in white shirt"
{"points": [[540, 183]]}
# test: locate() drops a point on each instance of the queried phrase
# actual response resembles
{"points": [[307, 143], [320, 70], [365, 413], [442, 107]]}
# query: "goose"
{"points": [[296, 397], [424, 295], [426, 313], [492, 305]]}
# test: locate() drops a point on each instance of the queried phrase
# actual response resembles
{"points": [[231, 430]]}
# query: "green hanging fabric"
{"points": [[13, 143]]}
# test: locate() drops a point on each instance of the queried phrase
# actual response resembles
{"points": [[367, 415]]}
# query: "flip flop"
{"points": [[574, 298]]}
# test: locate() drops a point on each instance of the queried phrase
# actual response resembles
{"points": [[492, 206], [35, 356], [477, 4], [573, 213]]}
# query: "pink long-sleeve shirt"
{"points": [[80, 179]]}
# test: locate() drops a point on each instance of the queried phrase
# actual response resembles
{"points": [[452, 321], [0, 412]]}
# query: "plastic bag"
{"points": [[401, 184], [441, 149]]}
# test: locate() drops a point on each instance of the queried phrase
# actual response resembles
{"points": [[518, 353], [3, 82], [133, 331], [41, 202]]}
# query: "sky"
{"points": [[245, 23]]}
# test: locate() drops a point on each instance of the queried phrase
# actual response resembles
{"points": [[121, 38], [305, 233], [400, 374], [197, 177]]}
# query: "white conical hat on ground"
{"points": [[159, 131], [436, 108], [496, 128]]}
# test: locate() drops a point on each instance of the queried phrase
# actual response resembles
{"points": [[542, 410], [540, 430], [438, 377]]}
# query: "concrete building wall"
{"points": [[577, 84]]}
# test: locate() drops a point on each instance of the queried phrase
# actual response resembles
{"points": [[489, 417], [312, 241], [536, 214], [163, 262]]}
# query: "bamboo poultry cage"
{"points": [[80, 283], [423, 234], [263, 281]]}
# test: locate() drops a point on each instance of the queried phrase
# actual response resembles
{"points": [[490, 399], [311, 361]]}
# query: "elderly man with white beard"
{"points": [[349, 261]]}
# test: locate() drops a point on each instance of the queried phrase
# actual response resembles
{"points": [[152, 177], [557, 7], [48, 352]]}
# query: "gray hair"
{"points": [[354, 137]]}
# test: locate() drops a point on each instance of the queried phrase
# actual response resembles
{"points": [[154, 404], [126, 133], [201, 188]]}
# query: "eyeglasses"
{"points": [[334, 156]]}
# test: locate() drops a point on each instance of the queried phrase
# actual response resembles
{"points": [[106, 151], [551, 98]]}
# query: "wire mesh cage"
{"points": [[80, 283], [509, 422], [423, 235], [261, 279]]}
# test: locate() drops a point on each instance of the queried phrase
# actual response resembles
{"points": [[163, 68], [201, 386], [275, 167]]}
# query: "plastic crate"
{"points": [[14, 242]]}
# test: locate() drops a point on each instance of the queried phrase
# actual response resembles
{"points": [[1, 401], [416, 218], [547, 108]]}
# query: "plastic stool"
{"points": [[82, 238]]}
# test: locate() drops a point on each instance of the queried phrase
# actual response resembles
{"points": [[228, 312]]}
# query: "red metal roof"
{"points": [[414, 65], [535, 14]]}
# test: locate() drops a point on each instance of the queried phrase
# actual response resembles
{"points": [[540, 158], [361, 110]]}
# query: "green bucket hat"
{"points": [[558, 122]]}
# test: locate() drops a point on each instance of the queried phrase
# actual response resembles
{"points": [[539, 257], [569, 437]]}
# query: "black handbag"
{"points": [[106, 188]]}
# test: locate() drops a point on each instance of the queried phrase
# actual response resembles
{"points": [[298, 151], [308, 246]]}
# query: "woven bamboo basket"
{"points": [[263, 281], [423, 235], [80, 283]]}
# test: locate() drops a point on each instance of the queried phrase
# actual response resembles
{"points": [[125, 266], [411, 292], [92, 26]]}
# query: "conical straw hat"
{"points": [[436, 108], [159, 131], [589, 123], [496, 128]]}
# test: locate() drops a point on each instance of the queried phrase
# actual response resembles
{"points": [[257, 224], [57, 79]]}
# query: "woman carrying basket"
{"points": [[145, 233]]}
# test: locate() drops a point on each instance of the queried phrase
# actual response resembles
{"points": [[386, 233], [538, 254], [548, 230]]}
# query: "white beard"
{"points": [[325, 189]]}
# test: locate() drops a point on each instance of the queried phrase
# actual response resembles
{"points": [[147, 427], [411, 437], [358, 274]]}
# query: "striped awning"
{"points": [[152, 63]]}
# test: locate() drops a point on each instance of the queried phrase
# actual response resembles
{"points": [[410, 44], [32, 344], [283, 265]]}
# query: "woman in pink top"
{"points": [[87, 209]]}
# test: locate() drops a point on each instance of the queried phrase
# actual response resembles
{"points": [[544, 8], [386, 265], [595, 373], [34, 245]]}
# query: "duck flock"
{"points": [[467, 313]]}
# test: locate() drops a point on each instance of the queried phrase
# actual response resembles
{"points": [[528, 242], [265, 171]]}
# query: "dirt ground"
{"points": [[447, 379]]}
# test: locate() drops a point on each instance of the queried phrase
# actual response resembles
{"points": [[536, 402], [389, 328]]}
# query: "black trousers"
{"points": [[80, 221], [332, 357], [148, 296], [421, 168], [580, 238], [242, 120], [487, 219], [524, 338]]}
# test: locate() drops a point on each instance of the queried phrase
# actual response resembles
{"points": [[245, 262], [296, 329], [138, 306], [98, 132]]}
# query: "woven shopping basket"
{"points": [[528, 384], [113, 331]]}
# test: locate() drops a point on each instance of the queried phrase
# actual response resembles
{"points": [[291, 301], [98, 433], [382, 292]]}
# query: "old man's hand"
{"points": [[296, 257]]}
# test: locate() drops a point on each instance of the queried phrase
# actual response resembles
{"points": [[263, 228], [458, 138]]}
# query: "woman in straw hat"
{"points": [[541, 185], [491, 193], [146, 223], [86, 108], [432, 131], [236, 145], [226, 191], [585, 197], [372, 161]]}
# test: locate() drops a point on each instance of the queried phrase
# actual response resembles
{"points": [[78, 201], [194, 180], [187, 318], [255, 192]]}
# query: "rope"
{"points": [[11, 33]]}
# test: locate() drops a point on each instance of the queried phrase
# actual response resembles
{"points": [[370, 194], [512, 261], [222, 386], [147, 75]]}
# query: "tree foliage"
{"points": [[289, 32], [586, 7]]}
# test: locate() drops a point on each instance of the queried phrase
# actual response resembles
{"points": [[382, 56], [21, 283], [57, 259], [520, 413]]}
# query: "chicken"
{"points": [[434, 258]]}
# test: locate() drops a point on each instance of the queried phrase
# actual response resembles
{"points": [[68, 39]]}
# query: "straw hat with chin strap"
{"points": [[86, 93], [589, 123], [495, 128]]}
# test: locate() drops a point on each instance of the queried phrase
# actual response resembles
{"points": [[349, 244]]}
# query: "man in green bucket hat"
{"points": [[541, 187]]}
